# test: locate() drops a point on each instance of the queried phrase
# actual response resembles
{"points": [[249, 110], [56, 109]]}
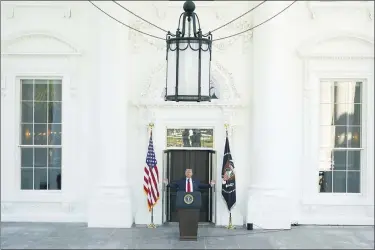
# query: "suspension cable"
{"points": [[269, 19], [144, 33], [247, 12], [140, 17]]}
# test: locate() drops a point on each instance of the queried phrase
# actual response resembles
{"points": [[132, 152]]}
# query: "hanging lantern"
{"points": [[188, 60]]}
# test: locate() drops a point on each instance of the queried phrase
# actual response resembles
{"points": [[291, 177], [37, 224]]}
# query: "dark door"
{"points": [[199, 161]]}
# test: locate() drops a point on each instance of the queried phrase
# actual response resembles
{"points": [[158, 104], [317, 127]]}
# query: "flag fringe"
{"points": [[151, 207]]}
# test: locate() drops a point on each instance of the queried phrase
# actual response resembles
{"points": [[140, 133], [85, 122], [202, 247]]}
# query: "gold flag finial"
{"points": [[150, 125], [226, 125]]}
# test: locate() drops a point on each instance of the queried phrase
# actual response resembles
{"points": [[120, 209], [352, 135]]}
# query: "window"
{"points": [[190, 137], [40, 138], [340, 137]]}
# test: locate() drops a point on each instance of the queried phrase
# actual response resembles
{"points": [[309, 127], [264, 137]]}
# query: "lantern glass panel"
{"points": [[188, 68]]}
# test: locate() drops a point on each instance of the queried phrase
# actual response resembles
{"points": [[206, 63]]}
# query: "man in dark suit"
{"points": [[188, 184]]}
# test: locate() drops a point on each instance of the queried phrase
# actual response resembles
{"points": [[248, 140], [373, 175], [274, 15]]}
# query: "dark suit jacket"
{"points": [[180, 185]]}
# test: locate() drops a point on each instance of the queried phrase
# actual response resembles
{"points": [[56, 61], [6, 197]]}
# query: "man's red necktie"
{"points": [[189, 186]]}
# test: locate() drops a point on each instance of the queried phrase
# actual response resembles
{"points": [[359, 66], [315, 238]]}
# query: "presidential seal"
{"points": [[188, 199]]}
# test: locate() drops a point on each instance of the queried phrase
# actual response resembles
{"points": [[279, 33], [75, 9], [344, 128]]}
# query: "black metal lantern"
{"points": [[188, 60]]}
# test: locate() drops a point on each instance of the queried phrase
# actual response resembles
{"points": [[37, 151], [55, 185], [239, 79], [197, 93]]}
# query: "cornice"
{"points": [[12, 7], [315, 7], [318, 56], [164, 104]]}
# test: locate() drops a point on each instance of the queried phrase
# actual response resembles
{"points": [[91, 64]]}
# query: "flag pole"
{"points": [[230, 225], [151, 225]]}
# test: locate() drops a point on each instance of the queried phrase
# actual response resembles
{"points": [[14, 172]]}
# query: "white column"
{"points": [[276, 116], [110, 201]]}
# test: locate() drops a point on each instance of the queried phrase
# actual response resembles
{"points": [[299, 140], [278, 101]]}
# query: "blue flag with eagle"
{"points": [[228, 189]]}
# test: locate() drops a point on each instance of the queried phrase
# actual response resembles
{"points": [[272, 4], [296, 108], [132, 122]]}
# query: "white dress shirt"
{"points": [[191, 184]]}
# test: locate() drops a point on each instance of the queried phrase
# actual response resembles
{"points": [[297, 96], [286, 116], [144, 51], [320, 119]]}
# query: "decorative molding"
{"points": [[320, 56], [179, 105], [231, 82], [232, 29], [11, 8], [3, 86], [306, 49], [27, 36], [161, 14], [316, 7], [137, 39], [154, 86]]}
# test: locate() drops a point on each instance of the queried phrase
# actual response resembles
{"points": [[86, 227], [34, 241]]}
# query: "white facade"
{"points": [[113, 82]]}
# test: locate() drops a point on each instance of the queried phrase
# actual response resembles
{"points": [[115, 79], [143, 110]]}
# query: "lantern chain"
{"points": [[247, 12], [140, 17], [269, 19], [144, 33]]}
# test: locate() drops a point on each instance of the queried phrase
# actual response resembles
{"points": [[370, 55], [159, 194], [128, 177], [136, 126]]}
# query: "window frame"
{"points": [[36, 194], [363, 133], [311, 121]]}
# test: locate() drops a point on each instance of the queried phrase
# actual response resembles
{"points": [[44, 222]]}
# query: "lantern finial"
{"points": [[189, 7]]}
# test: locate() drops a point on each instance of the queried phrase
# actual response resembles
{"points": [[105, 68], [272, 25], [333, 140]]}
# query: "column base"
{"points": [[110, 207], [269, 209]]}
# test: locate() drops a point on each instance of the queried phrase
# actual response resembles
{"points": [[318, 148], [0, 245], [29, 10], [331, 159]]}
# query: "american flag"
{"points": [[151, 176]]}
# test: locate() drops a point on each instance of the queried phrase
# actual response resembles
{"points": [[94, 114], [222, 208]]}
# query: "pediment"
{"points": [[37, 43], [338, 45]]}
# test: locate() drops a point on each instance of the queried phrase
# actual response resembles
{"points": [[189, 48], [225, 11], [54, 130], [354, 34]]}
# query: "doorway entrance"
{"points": [[202, 164]]}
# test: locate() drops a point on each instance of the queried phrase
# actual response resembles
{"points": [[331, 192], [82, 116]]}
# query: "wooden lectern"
{"points": [[188, 206]]}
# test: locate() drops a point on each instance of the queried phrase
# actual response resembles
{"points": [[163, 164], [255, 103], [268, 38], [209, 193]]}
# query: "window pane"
{"points": [[27, 112], [55, 134], [341, 114], [54, 179], [27, 90], [54, 158], [41, 90], [358, 93], [54, 112], [40, 178], [27, 157], [339, 160], [325, 181], [351, 92], [340, 136], [355, 115], [341, 91], [355, 92], [40, 112], [190, 137], [354, 181], [354, 160], [339, 181], [40, 157], [354, 137], [55, 93], [325, 154], [26, 178], [326, 114], [40, 134], [26, 134]]}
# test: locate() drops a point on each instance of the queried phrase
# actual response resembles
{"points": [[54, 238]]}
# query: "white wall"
{"points": [[71, 45]]}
